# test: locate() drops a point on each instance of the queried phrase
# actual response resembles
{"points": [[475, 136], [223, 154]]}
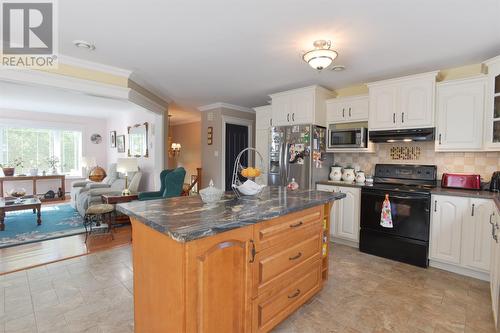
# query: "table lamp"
{"points": [[126, 165]]}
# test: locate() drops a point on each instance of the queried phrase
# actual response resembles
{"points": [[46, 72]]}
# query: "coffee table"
{"points": [[10, 204]]}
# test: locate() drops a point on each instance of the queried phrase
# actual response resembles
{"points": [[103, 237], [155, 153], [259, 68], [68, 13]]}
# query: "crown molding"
{"points": [[67, 60], [226, 106]]}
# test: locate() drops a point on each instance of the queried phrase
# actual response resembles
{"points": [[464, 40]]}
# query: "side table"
{"points": [[116, 199]]}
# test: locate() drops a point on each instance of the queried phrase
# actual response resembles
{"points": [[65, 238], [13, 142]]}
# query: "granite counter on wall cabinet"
{"points": [[188, 218]]}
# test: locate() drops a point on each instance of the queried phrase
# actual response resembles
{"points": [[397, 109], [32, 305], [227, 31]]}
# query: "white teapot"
{"points": [[335, 173], [360, 177], [348, 175]]}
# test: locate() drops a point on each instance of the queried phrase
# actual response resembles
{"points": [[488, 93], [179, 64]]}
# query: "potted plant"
{"points": [[53, 162], [10, 168]]}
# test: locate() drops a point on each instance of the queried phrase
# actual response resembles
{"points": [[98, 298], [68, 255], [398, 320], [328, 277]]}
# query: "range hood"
{"points": [[403, 135]]}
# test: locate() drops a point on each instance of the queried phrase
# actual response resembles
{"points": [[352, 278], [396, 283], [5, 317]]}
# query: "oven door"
{"points": [[410, 213]]}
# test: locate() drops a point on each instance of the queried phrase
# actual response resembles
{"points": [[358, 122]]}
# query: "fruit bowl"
{"points": [[250, 188], [17, 193]]}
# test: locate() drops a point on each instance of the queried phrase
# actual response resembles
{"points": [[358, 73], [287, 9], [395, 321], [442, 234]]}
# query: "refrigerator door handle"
{"points": [[287, 164]]}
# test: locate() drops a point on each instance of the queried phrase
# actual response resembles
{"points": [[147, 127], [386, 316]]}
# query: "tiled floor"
{"points": [[364, 294]]}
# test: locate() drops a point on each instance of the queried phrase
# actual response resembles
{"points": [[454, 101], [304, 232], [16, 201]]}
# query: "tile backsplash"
{"points": [[483, 163]]}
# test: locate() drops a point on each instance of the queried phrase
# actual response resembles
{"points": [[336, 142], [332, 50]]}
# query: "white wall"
{"points": [[151, 166], [87, 125]]}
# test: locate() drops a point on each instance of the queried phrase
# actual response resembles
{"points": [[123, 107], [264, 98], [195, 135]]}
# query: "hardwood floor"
{"points": [[36, 254]]}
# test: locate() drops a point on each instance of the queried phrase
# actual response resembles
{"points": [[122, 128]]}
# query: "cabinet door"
{"points": [[460, 110], [383, 107], [446, 227], [281, 110], [476, 240], [263, 116], [416, 104], [492, 116], [219, 283], [495, 270], [357, 110], [335, 112], [262, 145], [347, 226], [302, 108]]}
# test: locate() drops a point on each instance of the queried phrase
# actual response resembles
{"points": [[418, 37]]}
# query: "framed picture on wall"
{"points": [[112, 139], [120, 143]]}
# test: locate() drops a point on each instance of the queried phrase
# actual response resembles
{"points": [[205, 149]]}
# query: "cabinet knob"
{"points": [[343, 113], [435, 205], [296, 225], [472, 210], [252, 251], [287, 117], [293, 116], [394, 118], [439, 138], [349, 112], [296, 256]]}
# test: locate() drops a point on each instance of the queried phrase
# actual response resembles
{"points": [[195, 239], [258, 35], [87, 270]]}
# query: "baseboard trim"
{"points": [[345, 242], [460, 270]]}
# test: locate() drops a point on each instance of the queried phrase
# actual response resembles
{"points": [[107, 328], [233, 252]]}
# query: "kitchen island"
{"points": [[242, 265]]}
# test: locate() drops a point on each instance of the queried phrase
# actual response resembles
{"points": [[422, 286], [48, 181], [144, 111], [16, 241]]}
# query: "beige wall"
{"points": [[211, 155], [189, 136], [483, 163]]}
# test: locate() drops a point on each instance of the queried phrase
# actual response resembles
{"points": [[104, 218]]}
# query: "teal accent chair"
{"points": [[172, 182]]}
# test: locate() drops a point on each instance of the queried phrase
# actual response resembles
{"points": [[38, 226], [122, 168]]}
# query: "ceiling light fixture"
{"points": [[84, 44], [338, 68], [322, 56]]}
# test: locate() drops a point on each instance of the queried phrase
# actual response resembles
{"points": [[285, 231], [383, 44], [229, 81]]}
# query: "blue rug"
{"points": [[57, 221]]}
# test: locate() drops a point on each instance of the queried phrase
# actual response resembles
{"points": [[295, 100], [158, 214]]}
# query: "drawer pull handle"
{"points": [[295, 294], [296, 224], [296, 256]]}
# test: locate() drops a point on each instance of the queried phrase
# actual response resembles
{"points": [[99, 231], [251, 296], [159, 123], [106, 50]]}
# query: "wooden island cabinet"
{"points": [[247, 279]]}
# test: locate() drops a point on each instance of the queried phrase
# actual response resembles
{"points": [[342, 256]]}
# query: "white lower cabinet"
{"points": [[461, 233], [495, 267], [345, 212]]}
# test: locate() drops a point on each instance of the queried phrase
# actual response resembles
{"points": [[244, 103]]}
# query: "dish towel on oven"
{"points": [[386, 215]]}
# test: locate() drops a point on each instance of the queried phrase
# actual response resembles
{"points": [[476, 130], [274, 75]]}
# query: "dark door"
{"points": [[236, 141], [410, 213]]}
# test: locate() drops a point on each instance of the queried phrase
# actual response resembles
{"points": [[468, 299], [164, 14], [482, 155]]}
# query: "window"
{"points": [[34, 146]]}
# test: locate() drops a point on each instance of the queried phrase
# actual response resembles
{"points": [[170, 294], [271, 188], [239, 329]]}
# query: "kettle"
{"points": [[495, 182]]}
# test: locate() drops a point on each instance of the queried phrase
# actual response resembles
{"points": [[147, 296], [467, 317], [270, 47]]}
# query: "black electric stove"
{"points": [[408, 188]]}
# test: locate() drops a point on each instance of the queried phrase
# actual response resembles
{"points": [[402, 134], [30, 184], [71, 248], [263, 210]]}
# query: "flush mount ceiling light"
{"points": [[338, 68], [84, 44], [322, 56]]}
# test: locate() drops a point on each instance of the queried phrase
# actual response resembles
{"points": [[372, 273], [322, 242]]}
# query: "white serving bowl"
{"points": [[250, 188]]}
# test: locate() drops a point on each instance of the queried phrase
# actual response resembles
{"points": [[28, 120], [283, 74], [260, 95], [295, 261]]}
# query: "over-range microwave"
{"points": [[347, 137]]}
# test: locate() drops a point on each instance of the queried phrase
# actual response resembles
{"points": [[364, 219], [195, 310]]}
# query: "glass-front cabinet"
{"points": [[492, 115]]}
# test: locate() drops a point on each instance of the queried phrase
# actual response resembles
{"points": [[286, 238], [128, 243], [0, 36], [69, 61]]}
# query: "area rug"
{"points": [[57, 221]]}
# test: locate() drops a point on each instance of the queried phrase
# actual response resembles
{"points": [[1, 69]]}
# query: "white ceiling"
{"points": [[38, 98], [201, 52]]}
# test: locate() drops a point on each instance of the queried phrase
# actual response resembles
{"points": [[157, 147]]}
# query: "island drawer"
{"points": [[276, 264], [269, 233], [270, 311]]}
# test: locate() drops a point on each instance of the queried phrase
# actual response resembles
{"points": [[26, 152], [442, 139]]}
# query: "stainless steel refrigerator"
{"points": [[298, 152]]}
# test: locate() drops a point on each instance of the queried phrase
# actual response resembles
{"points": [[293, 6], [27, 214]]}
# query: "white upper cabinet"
{"points": [[347, 109], [263, 117], [460, 113], [406, 102], [300, 106], [492, 108]]}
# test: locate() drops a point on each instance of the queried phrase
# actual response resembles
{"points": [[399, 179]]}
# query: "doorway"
{"points": [[236, 140]]}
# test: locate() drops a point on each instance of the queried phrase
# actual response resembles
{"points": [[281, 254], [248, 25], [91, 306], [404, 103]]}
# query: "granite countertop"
{"points": [[481, 194], [341, 183], [188, 218]]}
